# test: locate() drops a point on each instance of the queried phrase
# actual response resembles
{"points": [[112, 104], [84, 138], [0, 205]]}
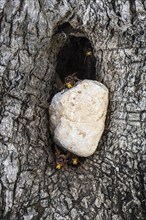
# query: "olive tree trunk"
{"points": [[111, 184]]}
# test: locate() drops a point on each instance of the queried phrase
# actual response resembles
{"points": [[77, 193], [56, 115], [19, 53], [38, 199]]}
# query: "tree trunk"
{"points": [[111, 184]]}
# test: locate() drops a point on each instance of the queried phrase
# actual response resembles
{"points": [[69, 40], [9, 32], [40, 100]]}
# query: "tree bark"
{"points": [[111, 184]]}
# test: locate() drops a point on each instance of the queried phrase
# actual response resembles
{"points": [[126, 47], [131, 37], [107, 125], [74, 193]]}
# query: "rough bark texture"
{"points": [[112, 183]]}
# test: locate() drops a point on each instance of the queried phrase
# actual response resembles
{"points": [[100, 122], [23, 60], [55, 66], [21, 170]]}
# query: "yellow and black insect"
{"points": [[74, 160], [89, 67], [62, 159], [89, 53], [70, 81]]}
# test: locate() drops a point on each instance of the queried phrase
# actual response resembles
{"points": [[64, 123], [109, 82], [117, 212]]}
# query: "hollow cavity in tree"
{"points": [[75, 57]]}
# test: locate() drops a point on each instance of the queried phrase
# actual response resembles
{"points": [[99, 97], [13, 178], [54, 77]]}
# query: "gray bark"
{"points": [[112, 183]]}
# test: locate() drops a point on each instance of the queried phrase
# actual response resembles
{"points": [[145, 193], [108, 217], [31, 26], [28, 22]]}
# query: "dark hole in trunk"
{"points": [[76, 57]]}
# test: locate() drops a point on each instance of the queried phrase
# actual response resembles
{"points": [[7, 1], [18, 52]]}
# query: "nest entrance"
{"points": [[76, 56]]}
